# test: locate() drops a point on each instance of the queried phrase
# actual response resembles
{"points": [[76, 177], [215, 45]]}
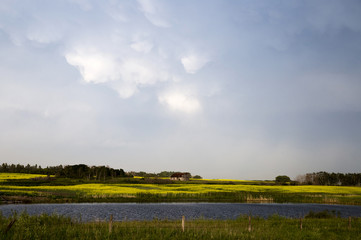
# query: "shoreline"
{"points": [[41, 200]]}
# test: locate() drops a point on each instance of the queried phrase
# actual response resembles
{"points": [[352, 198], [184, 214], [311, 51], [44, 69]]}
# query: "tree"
{"points": [[283, 179], [197, 177]]}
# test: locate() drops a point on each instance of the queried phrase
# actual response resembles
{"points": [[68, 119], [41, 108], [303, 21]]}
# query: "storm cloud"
{"points": [[246, 89]]}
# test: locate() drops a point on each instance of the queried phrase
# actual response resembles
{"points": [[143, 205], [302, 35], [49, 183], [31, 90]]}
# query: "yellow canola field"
{"points": [[133, 189], [130, 190], [13, 176]]}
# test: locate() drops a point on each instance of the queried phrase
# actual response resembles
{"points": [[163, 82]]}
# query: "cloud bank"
{"points": [[215, 88]]}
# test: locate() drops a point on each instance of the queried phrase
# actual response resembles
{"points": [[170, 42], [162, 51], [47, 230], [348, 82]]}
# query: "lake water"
{"points": [[149, 211]]}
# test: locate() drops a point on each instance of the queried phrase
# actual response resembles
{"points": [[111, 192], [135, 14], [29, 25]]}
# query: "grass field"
{"points": [[59, 227], [66, 190]]}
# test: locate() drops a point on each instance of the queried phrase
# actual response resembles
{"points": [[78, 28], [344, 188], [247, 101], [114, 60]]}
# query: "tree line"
{"points": [[163, 174], [330, 179], [81, 171], [69, 171]]}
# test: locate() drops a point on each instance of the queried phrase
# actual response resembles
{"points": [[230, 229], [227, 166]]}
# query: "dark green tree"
{"points": [[197, 177], [283, 179]]}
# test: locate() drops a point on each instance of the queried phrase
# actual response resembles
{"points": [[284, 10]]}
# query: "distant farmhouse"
{"points": [[180, 176]]}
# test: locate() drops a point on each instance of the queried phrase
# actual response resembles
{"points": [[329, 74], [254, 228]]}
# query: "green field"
{"points": [[37, 188], [59, 227]]}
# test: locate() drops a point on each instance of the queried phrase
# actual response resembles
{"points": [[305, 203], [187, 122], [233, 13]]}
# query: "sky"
{"points": [[223, 89]]}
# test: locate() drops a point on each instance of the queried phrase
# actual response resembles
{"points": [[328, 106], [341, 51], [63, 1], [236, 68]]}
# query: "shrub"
{"points": [[322, 214]]}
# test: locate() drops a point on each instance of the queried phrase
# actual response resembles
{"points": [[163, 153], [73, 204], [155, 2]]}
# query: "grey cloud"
{"points": [[276, 85]]}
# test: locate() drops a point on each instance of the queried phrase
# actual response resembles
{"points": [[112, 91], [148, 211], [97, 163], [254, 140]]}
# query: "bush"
{"points": [[322, 214]]}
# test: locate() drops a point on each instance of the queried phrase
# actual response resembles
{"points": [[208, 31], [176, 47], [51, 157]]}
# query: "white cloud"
{"points": [[44, 33], [152, 11], [94, 66], [124, 90], [142, 72], [123, 75], [147, 6], [124, 56], [178, 101], [85, 5], [142, 46], [117, 11], [193, 63]]}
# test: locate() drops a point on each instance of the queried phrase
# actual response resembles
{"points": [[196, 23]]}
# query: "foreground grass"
{"points": [[59, 227], [68, 190]]}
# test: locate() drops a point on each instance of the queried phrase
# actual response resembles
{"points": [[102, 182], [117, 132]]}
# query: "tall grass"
{"points": [[60, 227]]}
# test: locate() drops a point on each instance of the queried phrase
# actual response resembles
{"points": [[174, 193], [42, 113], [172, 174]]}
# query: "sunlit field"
{"points": [[221, 191], [110, 190], [9, 176]]}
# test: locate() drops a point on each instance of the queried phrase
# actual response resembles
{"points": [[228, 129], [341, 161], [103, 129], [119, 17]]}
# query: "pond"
{"points": [[149, 211]]}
